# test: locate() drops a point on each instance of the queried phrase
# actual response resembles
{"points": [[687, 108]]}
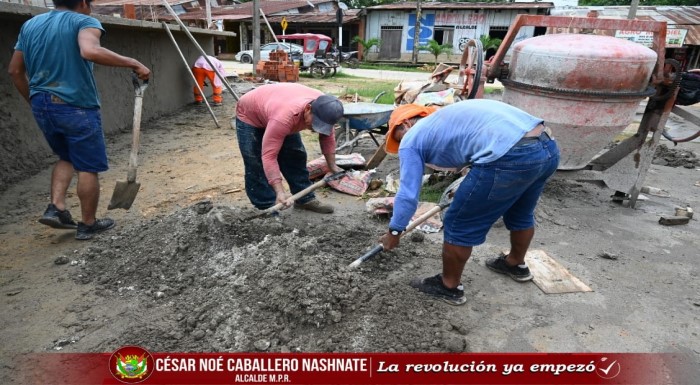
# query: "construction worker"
{"points": [[511, 158], [268, 122], [52, 68], [202, 71]]}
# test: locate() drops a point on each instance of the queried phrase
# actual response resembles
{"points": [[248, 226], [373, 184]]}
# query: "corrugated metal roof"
{"points": [[349, 16], [685, 18], [246, 9], [682, 17], [450, 5], [140, 2]]}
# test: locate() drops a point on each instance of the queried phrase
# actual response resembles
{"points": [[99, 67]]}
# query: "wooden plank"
{"points": [[377, 158], [550, 276]]}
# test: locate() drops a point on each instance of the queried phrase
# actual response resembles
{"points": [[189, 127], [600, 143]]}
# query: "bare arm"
{"points": [[90, 49], [330, 161], [18, 73]]}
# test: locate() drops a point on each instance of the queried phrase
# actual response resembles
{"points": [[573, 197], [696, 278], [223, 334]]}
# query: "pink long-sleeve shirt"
{"points": [[279, 110]]}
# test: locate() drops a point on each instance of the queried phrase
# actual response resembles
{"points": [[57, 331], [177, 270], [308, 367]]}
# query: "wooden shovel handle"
{"points": [[135, 141], [294, 197], [379, 248]]}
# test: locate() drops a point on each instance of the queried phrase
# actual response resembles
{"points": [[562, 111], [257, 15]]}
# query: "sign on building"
{"points": [[674, 37], [427, 23]]}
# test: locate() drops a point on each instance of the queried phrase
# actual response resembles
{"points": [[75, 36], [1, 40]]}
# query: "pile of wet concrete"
{"points": [[672, 157], [218, 282]]}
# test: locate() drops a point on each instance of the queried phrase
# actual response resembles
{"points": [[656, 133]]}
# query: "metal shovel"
{"points": [[125, 191]]}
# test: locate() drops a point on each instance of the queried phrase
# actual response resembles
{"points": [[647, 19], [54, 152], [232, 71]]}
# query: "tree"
{"points": [[366, 45], [436, 48], [488, 42]]}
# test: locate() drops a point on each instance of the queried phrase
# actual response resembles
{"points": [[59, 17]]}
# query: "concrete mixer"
{"points": [[587, 88]]}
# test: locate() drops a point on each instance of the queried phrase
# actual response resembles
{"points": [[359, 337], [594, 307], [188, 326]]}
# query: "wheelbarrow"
{"points": [[359, 119]]}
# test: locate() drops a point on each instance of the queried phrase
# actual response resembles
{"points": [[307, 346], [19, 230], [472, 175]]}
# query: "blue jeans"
{"points": [[73, 133], [509, 187], [291, 159]]}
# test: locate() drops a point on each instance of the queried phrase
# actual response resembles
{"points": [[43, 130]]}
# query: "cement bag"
{"points": [[318, 167], [440, 98], [353, 183], [432, 224], [380, 205]]}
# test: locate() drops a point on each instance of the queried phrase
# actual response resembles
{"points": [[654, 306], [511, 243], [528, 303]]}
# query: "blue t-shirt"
{"points": [[49, 43], [476, 131]]}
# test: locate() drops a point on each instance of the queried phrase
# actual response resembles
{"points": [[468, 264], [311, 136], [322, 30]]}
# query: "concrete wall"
{"points": [[23, 150]]}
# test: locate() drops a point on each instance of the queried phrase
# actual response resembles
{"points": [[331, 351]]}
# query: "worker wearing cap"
{"points": [[268, 122], [511, 158]]}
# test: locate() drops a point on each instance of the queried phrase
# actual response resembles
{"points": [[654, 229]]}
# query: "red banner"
{"points": [[135, 365]]}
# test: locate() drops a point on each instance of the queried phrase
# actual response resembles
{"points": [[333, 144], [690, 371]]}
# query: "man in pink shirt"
{"points": [[202, 71], [268, 122]]}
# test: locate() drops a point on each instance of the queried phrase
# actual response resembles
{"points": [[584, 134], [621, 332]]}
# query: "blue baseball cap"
{"points": [[327, 111]]}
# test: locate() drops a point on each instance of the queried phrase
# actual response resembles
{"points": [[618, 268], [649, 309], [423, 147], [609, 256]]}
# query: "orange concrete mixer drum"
{"points": [[587, 88]]}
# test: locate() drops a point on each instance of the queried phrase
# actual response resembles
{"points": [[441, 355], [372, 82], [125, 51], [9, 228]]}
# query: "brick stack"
{"points": [[278, 68]]}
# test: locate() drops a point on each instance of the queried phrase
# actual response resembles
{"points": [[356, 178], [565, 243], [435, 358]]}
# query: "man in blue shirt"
{"points": [[52, 69], [511, 158]]}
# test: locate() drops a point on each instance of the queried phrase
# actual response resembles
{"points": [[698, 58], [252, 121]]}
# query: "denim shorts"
{"points": [[508, 187], [73, 133]]}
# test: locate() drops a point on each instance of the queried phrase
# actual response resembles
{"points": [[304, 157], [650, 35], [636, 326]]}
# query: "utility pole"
{"points": [[256, 34], [633, 9], [416, 34], [208, 9]]}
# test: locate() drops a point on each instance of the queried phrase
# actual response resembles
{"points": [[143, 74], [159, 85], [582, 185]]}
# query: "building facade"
{"points": [[447, 23]]}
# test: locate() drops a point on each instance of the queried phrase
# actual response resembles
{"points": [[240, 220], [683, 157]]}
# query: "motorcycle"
{"points": [[349, 58]]}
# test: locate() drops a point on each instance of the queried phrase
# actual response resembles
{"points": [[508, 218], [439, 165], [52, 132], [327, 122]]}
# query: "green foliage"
{"points": [[371, 90], [366, 45], [389, 67], [641, 2], [436, 48], [489, 42]]}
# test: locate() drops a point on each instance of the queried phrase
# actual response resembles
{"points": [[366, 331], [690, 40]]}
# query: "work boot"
{"points": [[57, 219], [315, 206], [86, 232]]}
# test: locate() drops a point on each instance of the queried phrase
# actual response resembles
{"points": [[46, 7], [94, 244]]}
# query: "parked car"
{"points": [[247, 56]]}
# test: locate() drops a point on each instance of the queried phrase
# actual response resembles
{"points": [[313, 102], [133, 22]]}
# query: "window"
{"points": [[444, 35], [310, 46]]}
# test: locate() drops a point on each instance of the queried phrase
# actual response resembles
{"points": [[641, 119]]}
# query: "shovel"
{"points": [[379, 248], [298, 195], [125, 191]]}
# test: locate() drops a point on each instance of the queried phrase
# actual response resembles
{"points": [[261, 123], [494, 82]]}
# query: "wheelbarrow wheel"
{"points": [[343, 141]]}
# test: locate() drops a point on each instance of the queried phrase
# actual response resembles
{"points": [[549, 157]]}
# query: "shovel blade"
{"points": [[124, 195]]}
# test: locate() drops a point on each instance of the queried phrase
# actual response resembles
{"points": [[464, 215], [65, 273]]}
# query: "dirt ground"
{"points": [[183, 270]]}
